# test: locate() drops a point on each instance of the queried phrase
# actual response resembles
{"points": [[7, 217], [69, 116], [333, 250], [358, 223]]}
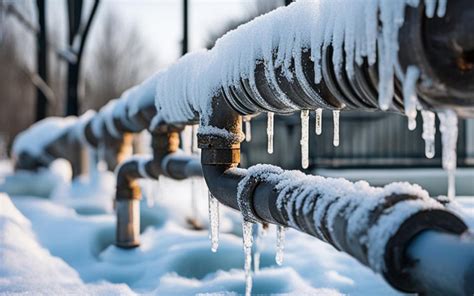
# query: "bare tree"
{"points": [[118, 61], [259, 7], [17, 102]]}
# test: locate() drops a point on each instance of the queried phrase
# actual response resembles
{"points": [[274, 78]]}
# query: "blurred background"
{"points": [[63, 57]]}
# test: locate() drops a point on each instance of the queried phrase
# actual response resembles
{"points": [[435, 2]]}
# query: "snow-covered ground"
{"points": [[64, 245]]}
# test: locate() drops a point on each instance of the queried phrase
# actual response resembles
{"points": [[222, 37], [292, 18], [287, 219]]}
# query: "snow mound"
{"points": [[27, 267]]}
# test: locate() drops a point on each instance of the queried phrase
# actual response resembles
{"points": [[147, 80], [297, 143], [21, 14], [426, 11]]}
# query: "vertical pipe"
{"points": [[185, 47], [41, 60]]}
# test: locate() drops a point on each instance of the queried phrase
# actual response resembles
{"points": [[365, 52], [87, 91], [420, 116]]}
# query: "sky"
{"points": [[160, 21]]}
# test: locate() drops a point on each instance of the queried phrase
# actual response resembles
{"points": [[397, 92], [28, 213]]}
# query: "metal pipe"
{"points": [[441, 263], [441, 47], [267, 201]]}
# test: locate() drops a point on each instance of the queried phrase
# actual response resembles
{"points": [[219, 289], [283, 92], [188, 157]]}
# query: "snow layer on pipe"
{"points": [[42, 133], [140, 96], [358, 199], [354, 29]]}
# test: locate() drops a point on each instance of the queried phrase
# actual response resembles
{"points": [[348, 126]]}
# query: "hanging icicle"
{"points": [[259, 245], [449, 136], [248, 128], [280, 247], [335, 118], [194, 142], [410, 99], [319, 121], [304, 142], [213, 222], [270, 120], [429, 132], [247, 230]]}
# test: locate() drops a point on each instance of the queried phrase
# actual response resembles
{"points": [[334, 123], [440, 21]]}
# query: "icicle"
{"points": [[430, 6], [319, 121], [259, 246], [270, 116], [280, 247], [194, 142], [213, 222], [194, 199], [429, 131], [304, 142], [449, 136], [248, 129], [248, 241], [441, 8], [409, 95], [149, 193], [335, 118]]}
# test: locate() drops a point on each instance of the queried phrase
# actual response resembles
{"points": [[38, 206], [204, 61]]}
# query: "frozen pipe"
{"points": [[441, 47], [166, 161], [109, 130], [270, 197], [441, 263]]}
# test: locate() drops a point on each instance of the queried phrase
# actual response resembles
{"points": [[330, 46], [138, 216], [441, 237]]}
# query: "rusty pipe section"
{"points": [[166, 161]]}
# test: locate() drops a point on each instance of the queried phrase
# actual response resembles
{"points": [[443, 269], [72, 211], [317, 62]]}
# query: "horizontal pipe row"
{"points": [[274, 196]]}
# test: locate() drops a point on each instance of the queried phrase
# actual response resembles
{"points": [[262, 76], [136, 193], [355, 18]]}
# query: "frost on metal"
{"points": [[355, 202]]}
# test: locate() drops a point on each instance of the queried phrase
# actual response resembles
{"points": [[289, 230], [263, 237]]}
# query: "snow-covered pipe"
{"points": [[372, 224]]}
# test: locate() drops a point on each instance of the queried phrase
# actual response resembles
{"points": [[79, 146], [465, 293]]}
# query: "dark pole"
{"points": [[288, 2], [185, 47], [75, 12], [41, 60]]}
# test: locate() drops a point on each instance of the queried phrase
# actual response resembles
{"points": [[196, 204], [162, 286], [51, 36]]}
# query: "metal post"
{"points": [[41, 60]]}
